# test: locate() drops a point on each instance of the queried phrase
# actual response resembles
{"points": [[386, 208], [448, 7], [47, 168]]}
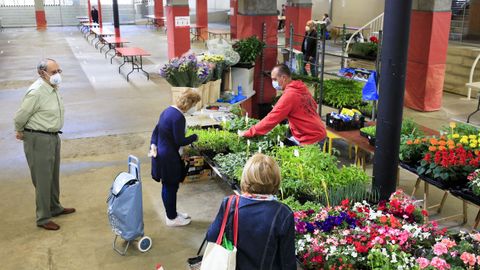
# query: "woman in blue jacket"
{"points": [[266, 232], [168, 137]]}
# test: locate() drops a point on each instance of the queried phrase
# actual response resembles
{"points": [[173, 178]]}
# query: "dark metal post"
{"points": [[344, 33], [116, 21], [392, 83], [322, 70], [291, 45]]}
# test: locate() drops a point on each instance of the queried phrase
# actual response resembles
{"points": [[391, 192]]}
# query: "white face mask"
{"points": [[56, 79], [307, 28], [276, 85]]}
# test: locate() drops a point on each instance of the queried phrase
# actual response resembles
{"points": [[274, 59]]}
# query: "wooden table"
{"points": [[130, 55], [218, 32], [195, 30], [113, 43], [153, 20], [100, 34]]}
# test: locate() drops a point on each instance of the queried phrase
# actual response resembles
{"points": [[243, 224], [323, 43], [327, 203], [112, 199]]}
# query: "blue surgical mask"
{"points": [[276, 85]]}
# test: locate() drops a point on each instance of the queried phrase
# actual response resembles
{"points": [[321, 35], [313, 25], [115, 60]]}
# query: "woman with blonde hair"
{"points": [[167, 165], [266, 233]]}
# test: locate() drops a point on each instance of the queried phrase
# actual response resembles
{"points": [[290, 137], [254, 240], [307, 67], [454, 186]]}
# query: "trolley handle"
{"points": [[134, 167]]}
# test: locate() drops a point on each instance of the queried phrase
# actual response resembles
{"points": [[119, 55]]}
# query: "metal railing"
{"points": [[459, 22], [374, 26]]}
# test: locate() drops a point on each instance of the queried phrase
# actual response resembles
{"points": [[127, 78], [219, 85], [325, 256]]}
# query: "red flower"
{"points": [[360, 248], [345, 203], [410, 208], [424, 213], [373, 39]]}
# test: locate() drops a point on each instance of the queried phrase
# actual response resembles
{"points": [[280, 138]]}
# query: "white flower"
{"points": [[394, 258], [354, 254]]}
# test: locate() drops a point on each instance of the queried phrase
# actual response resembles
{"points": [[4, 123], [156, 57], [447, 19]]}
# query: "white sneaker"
{"points": [[183, 215], [178, 221]]}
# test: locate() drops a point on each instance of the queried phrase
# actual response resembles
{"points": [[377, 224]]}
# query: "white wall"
{"points": [[212, 4], [349, 12]]}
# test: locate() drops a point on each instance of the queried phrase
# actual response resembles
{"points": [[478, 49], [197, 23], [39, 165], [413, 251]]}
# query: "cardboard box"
{"points": [[203, 175]]}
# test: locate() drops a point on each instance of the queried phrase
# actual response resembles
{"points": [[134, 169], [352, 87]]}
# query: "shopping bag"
{"points": [[369, 91], [217, 256]]}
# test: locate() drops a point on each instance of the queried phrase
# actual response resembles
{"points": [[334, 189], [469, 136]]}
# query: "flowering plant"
{"points": [[474, 181], [361, 236], [448, 165], [185, 71], [450, 253], [412, 149], [373, 39], [403, 206], [218, 64]]}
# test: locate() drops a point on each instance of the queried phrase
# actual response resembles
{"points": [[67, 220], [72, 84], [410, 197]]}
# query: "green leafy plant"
{"points": [[231, 164], [370, 130], [412, 149], [367, 50], [214, 140], [342, 93], [461, 129], [249, 49], [297, 206]]}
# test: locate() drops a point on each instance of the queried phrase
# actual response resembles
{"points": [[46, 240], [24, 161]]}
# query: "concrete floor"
{"points": [[107, 118]]}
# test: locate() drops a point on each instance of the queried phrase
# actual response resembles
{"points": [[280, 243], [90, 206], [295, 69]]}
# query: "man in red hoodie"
{"points": [[297, 105]]}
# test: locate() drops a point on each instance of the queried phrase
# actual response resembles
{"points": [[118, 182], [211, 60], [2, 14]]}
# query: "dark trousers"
{"points": [[43, 157], [169, 197], [313, 67]]}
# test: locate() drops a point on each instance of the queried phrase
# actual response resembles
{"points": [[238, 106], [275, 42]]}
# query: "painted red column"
{"points": [[247, 26], [202, 18], [298, 16], [158, 11], [427, 55], [89, 11], [40, 14], [178, 36], [100, 14], [233, 18]]}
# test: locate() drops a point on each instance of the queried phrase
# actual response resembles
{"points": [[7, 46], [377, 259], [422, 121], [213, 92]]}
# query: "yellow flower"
{"points": [[473, 145], [464, 140], [453, 125], [456, 136], [472, 137]]}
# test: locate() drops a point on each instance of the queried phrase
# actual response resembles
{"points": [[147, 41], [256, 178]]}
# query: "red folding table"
{"points": [[130, 55]]}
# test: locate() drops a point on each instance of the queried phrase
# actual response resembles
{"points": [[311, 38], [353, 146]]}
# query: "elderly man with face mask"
{"points": [[309, 47], [297, 106], [38, 123]]}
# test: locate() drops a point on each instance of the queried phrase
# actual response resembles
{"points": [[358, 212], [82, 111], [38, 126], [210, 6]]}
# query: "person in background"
{"points": [[266, 233], [94, 15], [165, 149], [328, 22], [297, 106], [309, 48], [281, 21], [37, 124]]}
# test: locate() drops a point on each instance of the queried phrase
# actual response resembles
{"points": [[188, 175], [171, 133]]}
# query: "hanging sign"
{"points": [[182, 21]]}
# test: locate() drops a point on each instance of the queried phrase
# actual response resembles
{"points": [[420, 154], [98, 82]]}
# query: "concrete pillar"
{"points": [[233, 18], [158, 11], [297, 13], [40, 14], [202, 18], [89, 6], [427, 54], [99, 13], [250, 18], [474, 20], [178, 36]]}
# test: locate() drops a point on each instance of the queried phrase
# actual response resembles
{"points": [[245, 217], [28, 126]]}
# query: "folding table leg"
{"points": [[465, 212], [425, 197], [444, 198], [416, 186]]}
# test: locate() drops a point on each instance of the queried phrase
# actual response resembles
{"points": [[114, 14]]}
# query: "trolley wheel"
{"points": [[144, 244]]}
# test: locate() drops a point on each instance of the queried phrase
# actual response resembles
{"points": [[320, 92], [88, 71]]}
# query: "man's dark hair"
{"points": [[283, 70]]}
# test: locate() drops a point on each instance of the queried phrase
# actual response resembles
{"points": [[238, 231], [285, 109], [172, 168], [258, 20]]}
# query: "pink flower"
{"points": [[449, 243], [468, 258], [478, 259], [476, 237], [441, 264], [423, 262], [439, 249]]}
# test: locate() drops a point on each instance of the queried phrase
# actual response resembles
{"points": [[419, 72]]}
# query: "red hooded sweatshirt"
{"points": [[298, 106]]}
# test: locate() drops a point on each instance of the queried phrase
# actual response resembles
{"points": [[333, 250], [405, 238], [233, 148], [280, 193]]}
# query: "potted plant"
{"points": [[186, 72], [448, 164], [242, 73], [217, 64], [364, 50]]}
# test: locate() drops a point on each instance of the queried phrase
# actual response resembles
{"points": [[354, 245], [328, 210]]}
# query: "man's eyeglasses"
{"points": [[59, 71]]}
